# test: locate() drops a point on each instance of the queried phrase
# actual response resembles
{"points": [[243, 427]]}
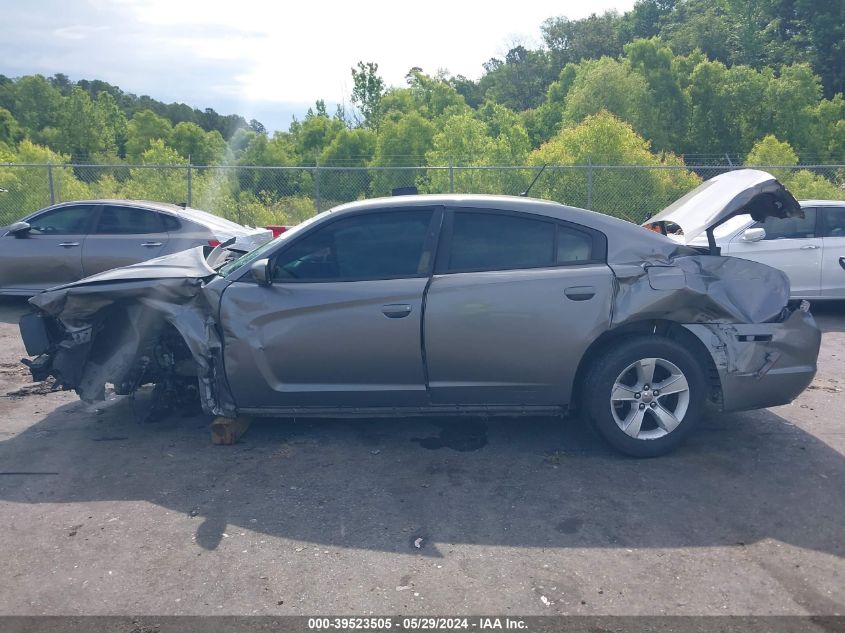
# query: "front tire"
{"points": [[645, 395]]}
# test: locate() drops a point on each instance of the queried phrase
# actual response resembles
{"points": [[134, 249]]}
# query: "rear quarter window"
{"points": [[504, 241]]}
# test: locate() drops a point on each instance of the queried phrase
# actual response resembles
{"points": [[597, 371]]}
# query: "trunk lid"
{"points": [[714, 201]]}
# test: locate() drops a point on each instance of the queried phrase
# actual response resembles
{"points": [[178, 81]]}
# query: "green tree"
{"points": [[607, 84], [520, 81], [165, 184], [10, 131], [350, 148], [144, 128], [802, 183], [790, 98], [602, 140], [367, 91], [81, 133], [590, 38], [434, 96], [401, 142], [652, 60], [34, 102], [110, 117], [313, 135], [197, 145]]}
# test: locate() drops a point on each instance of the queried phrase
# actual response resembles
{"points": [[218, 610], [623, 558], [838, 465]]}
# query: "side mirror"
{"points": [[260, 270], [19, 229], [754, 234]]}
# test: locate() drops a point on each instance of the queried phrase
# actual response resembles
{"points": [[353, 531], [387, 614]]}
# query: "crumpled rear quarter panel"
{"points": [[762, 364]]}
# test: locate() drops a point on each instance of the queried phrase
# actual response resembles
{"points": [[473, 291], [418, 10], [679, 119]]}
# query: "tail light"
{"points": [[214, 243], [277, 229]]}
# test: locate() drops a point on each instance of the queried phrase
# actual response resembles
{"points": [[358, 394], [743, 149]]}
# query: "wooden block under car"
{"points": [[228, 430]]}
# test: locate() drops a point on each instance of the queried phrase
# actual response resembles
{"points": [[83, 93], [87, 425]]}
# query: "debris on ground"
{"points": [[33, 389], [418, 542]]}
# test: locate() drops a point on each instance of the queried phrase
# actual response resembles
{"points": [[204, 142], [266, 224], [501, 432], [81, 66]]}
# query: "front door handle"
{"points": [[68, 244], [151, 244], [396, 310], [842, 262], [580, 293], [808, 247]]}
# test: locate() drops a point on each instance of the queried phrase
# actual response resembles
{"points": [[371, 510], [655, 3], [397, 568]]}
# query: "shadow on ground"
{"points": [[511, 482]]}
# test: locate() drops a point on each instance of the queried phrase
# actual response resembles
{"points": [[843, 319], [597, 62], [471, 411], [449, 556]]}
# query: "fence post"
{"points": [[590, 182], [317, 184], [51, 183], [190, 183], [451, 178]]}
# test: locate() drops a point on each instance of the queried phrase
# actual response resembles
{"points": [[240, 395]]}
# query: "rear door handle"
{"points": [[151, 244], [396, 310], [808, 247], [580, 293], [68, 244]]}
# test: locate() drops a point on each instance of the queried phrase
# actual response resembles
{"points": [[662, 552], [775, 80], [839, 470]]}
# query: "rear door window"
{"points": [[498, 241], [118, 220], [833, 221], [502, 241]]}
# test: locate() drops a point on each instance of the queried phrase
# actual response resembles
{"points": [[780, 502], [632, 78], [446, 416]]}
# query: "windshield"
{"points": [[258, 253]]}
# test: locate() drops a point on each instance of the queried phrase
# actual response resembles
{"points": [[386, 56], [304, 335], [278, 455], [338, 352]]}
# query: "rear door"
{"points": [[123, 235], [514, 302], [793, 245], [833, 251], [50, 253]]}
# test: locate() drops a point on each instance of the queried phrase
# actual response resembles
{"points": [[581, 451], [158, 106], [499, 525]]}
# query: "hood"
{"points": [[188, 264], [750, 191]]}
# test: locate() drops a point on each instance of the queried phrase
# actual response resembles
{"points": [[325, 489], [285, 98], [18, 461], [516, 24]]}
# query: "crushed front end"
{"points": [[152, 323]]}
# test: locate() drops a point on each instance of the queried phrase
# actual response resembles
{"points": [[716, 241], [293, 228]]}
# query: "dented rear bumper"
{"points": [[762, 364]]}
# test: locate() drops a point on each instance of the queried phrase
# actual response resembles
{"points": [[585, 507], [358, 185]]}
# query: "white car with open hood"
{"points": [[808, 243]]}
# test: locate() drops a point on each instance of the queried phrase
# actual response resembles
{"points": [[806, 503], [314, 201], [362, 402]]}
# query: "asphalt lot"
{"points": [[103, 514]]}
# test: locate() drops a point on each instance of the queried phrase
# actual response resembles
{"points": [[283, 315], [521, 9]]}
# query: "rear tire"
{"points": [[645, 395]]}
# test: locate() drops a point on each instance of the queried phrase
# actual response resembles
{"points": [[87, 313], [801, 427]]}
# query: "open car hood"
{"points": [[751, 191]]}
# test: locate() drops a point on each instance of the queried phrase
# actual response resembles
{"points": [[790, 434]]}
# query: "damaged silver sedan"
{"points": [[459, 304]]}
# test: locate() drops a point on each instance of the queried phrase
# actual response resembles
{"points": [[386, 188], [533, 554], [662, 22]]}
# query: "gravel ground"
{"points": [[103, 514]]}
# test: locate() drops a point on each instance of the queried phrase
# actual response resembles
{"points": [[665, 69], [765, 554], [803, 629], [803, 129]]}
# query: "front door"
{"points": [[792, 245], [49, 254], [341, 323], [512, 307]]}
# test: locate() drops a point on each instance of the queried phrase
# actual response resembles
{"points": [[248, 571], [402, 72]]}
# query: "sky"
{"points": [[265, 60]]}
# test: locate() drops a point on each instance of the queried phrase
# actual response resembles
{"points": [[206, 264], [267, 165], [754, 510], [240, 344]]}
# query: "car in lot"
{"points": [[449, 304], [72, 240], [809, 247]]}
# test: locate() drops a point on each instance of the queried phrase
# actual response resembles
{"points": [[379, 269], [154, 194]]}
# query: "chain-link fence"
{"points": [[258, 195]]}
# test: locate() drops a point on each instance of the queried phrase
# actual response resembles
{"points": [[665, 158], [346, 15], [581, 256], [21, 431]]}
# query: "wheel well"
{"points": [[652, 327]]}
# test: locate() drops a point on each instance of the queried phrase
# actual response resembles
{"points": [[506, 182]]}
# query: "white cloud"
{"points": [[252, 56]]}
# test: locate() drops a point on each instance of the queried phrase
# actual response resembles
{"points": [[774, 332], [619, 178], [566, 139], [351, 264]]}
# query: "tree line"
{"points": [[669, 83]]}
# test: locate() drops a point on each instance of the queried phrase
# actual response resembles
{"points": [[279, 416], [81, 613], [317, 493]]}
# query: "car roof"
{"points": [[822, 203], [187, 213], [166, 207]]}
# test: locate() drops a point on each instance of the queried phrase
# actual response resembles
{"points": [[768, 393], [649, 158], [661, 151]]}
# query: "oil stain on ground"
{"points": [[462, 436]]}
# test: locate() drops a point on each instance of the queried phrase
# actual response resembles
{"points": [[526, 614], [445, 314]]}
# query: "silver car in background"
{"points": [[72, 240], [452, 304]]}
